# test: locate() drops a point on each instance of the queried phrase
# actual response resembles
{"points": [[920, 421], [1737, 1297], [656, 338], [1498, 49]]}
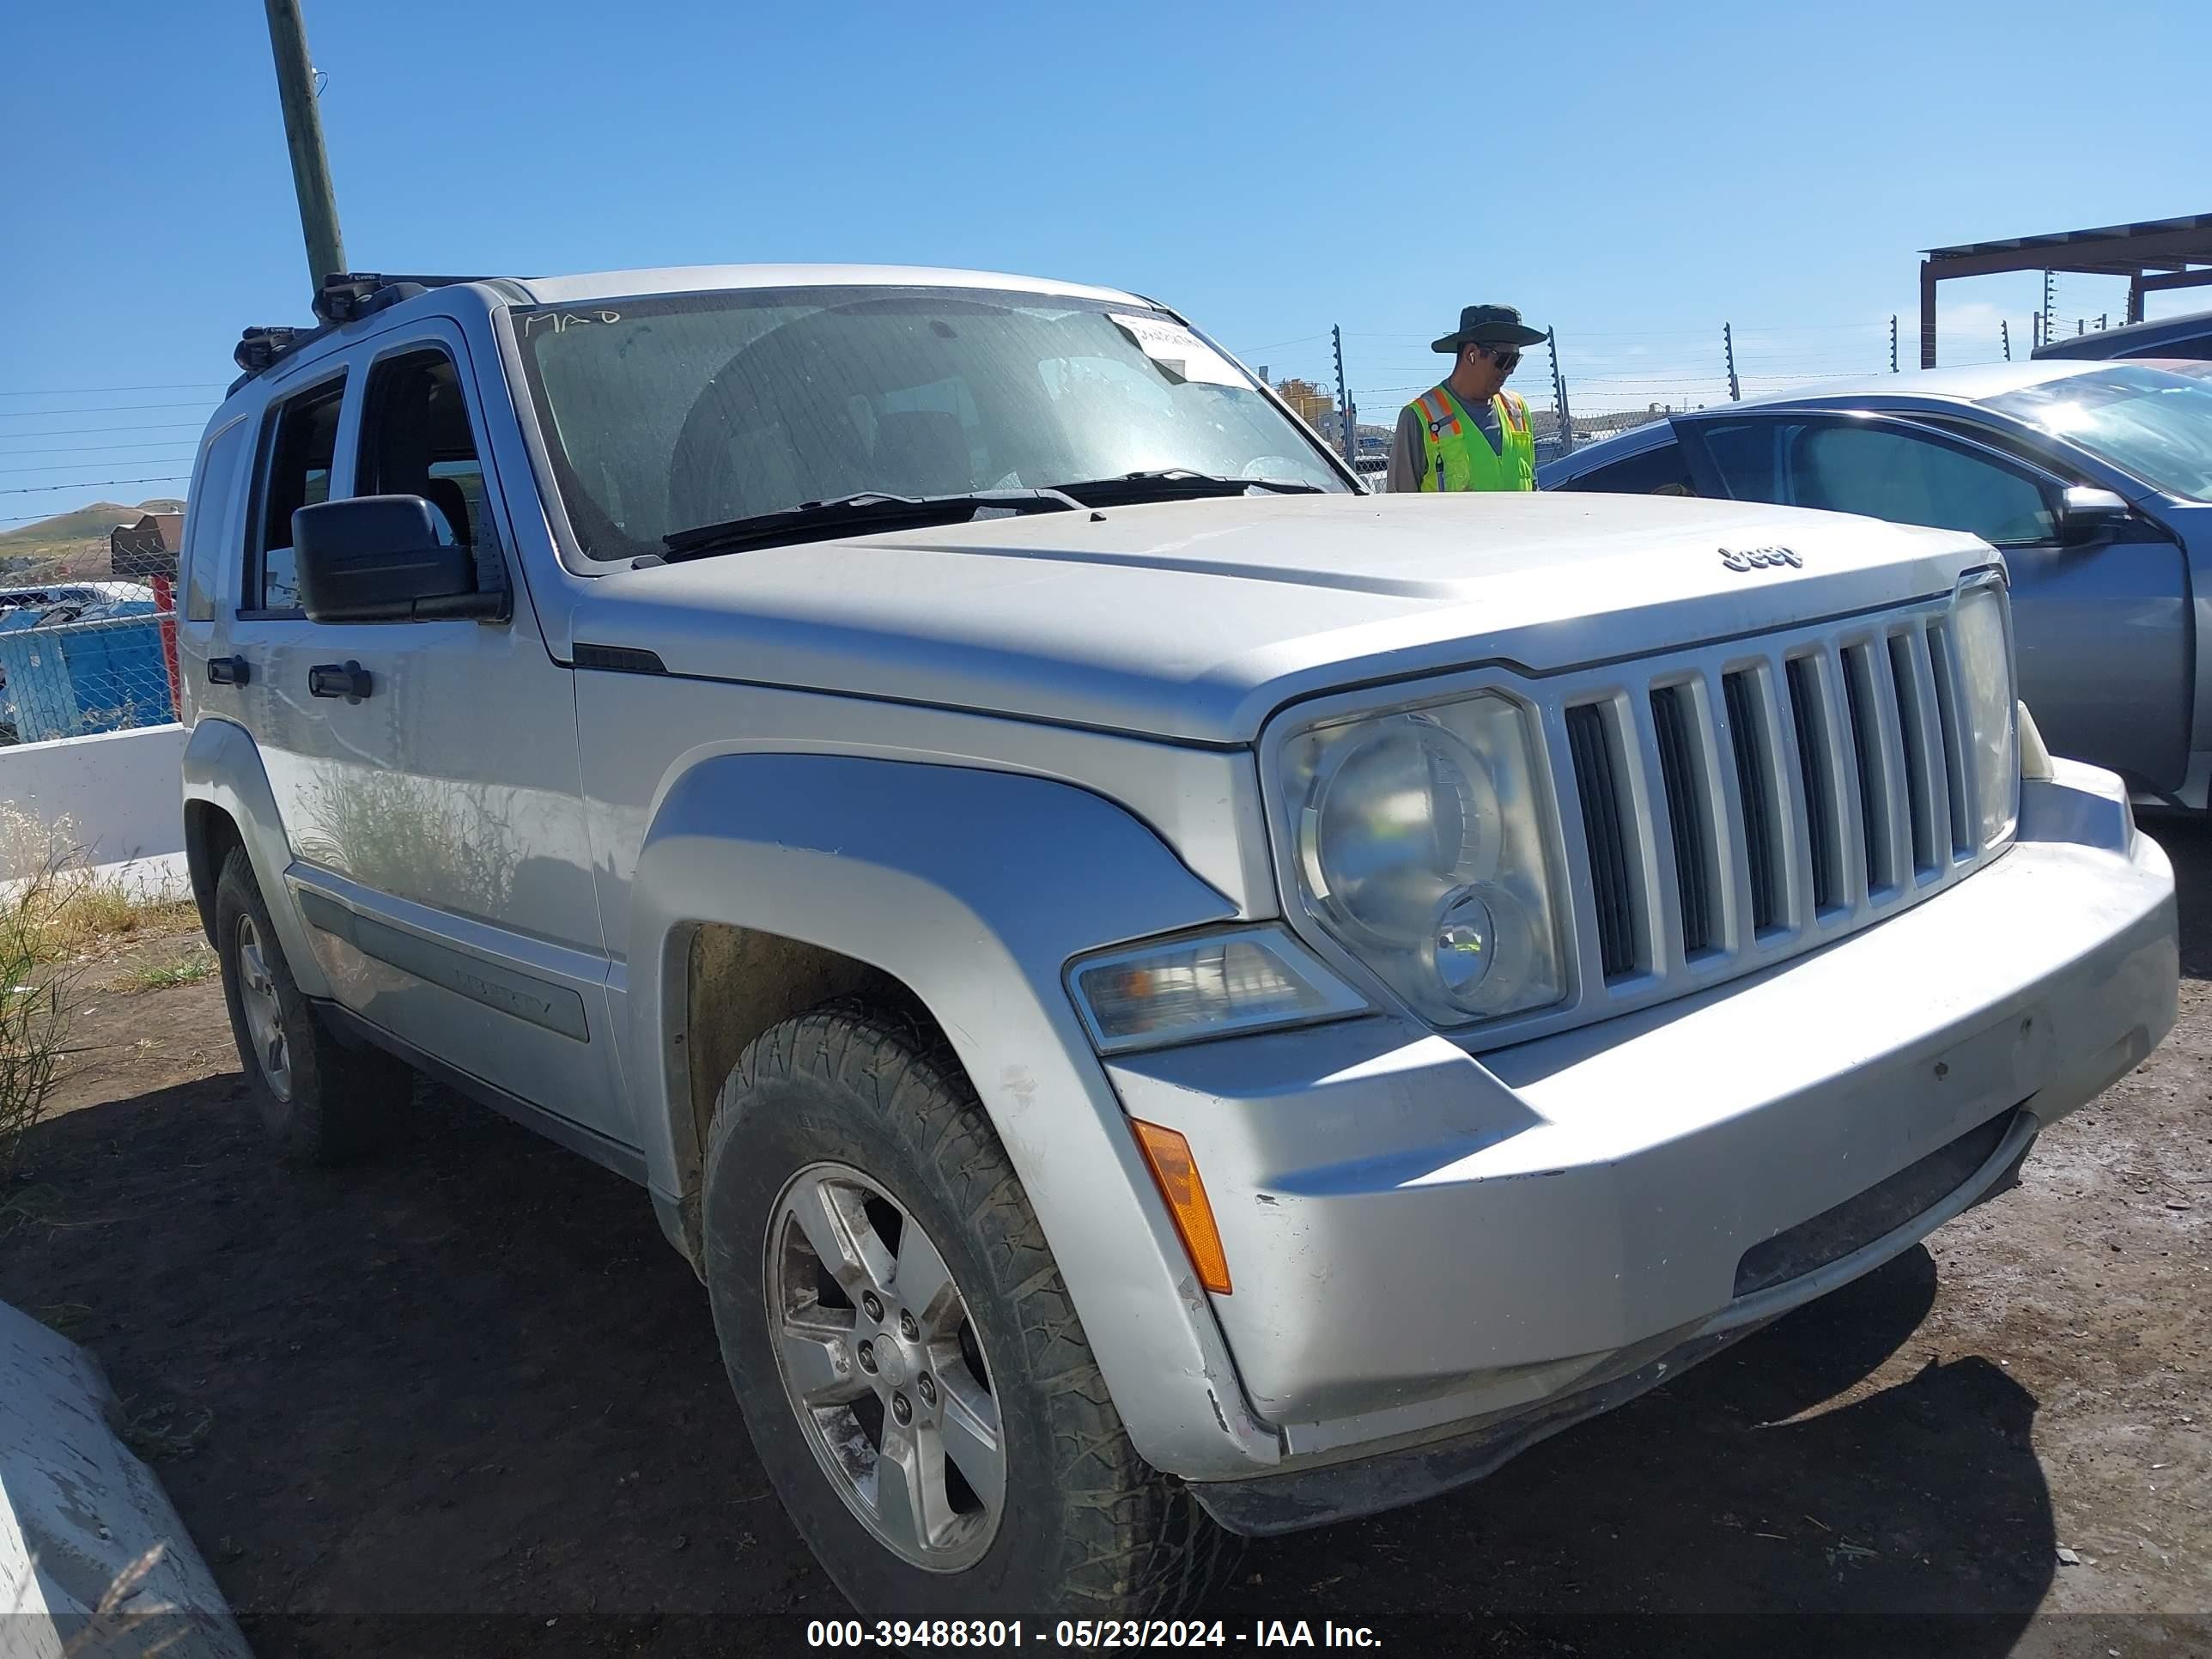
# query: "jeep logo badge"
{"points": [[1760, 558]]}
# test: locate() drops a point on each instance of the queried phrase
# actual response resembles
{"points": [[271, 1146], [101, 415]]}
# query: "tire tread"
{"points": [[1138, 1543]]}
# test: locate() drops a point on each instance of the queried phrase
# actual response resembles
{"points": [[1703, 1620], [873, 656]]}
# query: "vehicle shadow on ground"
{"points": [[2187, 839], [1742, 1508], [428, 1405]]}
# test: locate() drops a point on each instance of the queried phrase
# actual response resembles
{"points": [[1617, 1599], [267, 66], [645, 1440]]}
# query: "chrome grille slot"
{"points": [[1808, 714], [1743, 697], [1870, 760], [1908, 655], [1943, 670], [1593, 745], [1696, 876]]}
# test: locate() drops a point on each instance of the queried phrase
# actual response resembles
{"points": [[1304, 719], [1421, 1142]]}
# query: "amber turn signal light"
{"points": [[1176, 1172]]}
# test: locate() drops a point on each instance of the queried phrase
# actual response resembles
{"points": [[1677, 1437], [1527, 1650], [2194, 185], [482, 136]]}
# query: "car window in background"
{"points": [[663, 415], [1885, 473], [1659, 469], [2153, 421]]}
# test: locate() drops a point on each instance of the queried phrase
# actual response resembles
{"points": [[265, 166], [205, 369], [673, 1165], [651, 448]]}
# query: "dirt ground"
{"points": [[467, 1401]]}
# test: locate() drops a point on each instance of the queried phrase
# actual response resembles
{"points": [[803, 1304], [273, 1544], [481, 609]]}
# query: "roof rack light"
{"points": [[258, 348]]}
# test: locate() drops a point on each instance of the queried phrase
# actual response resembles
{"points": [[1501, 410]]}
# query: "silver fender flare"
{"points": [[973, 889], [222, 767]]}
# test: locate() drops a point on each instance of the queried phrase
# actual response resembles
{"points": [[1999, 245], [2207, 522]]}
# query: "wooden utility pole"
{"points": [[303, 135]]}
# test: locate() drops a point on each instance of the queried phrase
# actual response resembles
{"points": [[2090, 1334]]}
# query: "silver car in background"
{"points": [[2094, 479]]}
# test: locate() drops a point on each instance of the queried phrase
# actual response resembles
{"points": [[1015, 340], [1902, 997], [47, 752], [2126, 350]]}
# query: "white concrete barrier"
{"points": [[78, 1513], [110, 799]]}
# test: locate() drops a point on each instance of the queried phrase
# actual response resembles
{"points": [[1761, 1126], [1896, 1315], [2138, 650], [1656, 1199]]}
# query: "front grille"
{"points": [[1779, 795]]}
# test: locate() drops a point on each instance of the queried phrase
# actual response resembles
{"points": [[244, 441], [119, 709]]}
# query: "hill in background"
{"points": [[72, 544]]}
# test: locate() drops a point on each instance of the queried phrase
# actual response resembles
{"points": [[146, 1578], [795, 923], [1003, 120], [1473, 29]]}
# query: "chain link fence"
{"points": [[78, 658]]}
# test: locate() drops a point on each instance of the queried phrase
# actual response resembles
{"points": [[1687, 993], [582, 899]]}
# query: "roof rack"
{"points": [[345, 295], [342, 297]]}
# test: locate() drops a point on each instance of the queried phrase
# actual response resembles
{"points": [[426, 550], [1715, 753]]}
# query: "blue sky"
{"points": [[1632, 175]]}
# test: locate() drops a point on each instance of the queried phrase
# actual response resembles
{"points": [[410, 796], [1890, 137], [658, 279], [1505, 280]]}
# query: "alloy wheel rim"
{"points": [[265, 1015], [881, 1366]]}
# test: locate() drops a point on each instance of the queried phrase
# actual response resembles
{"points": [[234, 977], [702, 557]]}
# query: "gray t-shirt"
{"points": [[1409, 444]]}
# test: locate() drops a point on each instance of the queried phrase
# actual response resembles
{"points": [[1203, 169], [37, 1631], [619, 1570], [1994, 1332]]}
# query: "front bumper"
{"points": [[1426, 1245]]}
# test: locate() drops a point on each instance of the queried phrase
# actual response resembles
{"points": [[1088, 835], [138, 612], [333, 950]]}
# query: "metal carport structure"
{"points": [[2153, 255]]}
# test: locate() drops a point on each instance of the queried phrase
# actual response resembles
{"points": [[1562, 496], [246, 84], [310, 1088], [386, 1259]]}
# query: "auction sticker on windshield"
{"points": [[1179, 351]]}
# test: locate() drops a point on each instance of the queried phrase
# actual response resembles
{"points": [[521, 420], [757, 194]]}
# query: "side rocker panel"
{"points": [[222, 767], [973, 888]]}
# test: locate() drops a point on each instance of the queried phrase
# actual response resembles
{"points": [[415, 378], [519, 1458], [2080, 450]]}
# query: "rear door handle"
{"points": [[348, 680], [228, 671]]}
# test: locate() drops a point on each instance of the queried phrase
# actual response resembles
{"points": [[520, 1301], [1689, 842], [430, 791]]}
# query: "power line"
{"points": [[91, 483], [63, 466], [87, 431], [101, 449], [87, 390], [99, 409]]}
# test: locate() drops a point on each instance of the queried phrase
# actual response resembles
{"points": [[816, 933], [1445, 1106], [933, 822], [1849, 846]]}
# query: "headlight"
{"points": [[1984, 660], [1418, 848]]}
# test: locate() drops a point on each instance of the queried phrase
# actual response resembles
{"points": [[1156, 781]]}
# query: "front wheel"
{"points": [[908, 1362]]}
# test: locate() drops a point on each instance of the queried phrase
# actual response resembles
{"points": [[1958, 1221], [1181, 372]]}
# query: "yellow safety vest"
{"points": [[1459, 457]]}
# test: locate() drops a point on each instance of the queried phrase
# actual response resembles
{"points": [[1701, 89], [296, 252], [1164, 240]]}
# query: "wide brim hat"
{"points": [[1489, 325]]}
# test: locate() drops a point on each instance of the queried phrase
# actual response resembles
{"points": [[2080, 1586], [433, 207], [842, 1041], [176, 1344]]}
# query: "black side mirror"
{"points": [[378, 558], [2088, 515]]}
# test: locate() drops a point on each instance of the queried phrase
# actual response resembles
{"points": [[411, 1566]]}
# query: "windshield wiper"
{"points": [[1171, 483], [870, 509]]}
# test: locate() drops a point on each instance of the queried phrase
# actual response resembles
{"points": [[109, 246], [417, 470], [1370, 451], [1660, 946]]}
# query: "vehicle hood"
{"points": [[1195, 620]]}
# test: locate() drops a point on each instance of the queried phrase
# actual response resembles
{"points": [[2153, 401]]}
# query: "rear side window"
{"points": [[1657, 470], [206, 511], [416, 439], [300, 445]]}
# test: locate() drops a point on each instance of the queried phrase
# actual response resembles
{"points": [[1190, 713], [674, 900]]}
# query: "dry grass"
{"points": [[52, 920], [35, 1016], [68, 910], [91, 911]]}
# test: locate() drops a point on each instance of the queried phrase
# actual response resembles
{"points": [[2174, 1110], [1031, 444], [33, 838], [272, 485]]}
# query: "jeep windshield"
{"points": [[680, 415]]}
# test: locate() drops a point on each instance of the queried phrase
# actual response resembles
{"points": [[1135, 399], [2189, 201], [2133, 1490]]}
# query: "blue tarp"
{"points": [[81, 669]]}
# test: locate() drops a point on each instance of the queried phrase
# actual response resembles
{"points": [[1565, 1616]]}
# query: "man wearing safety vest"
{"points": [[1469, 433]]}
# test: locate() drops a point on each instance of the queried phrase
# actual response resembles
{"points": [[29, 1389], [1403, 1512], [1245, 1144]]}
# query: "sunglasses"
{"points": [[1504, 356]]}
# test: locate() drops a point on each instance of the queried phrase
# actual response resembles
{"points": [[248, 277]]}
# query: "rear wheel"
{"points": [[911, 1372], [320, 1102]]}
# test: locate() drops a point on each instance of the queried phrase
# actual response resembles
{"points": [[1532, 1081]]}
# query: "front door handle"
{"points": [[228, 671], [348, 680]]}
